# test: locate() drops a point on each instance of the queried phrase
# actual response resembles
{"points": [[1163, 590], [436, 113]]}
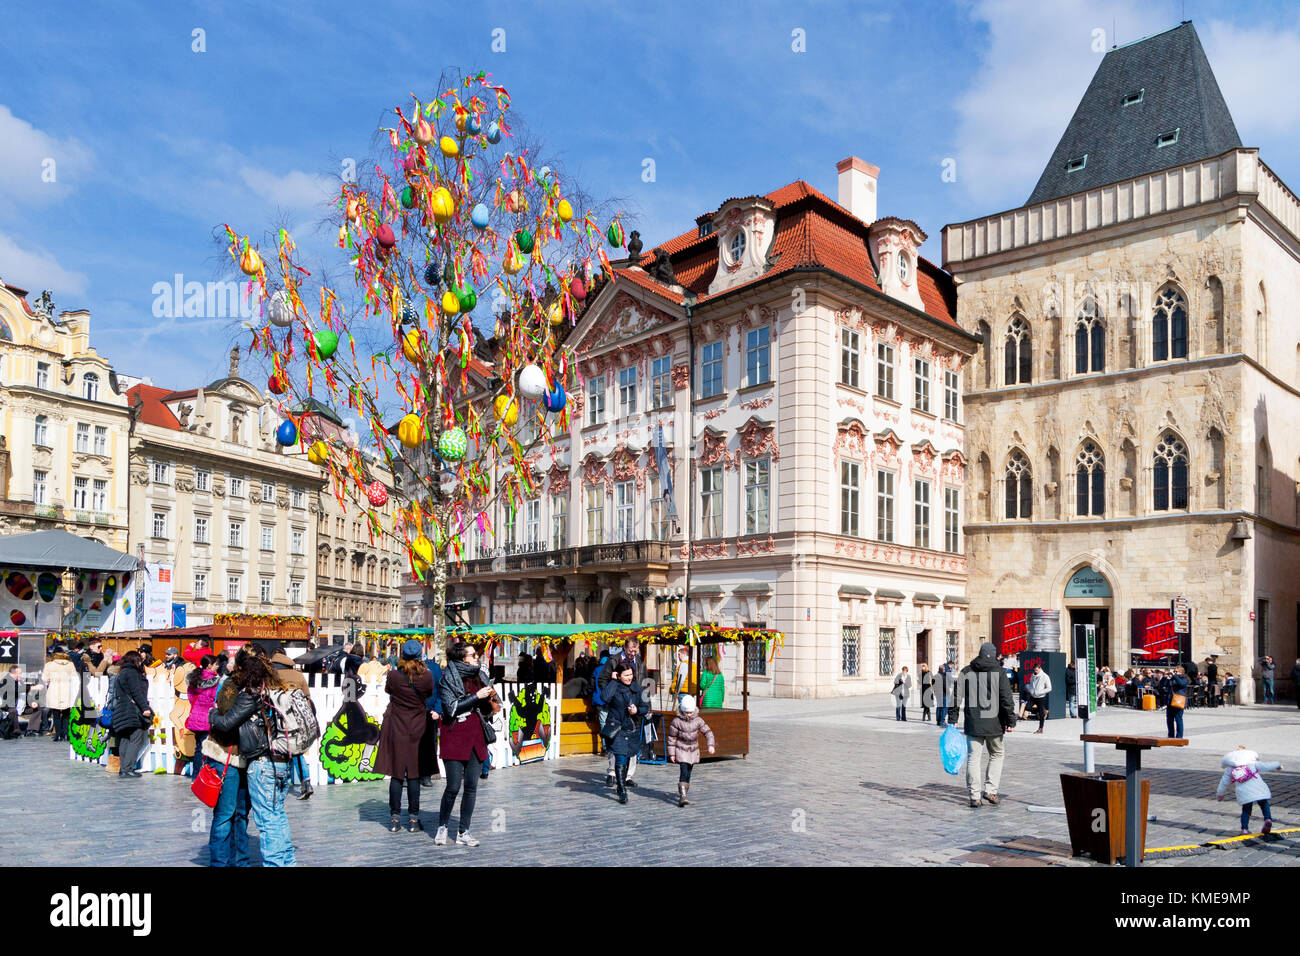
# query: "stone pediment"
{"points": [[626, 318], [236, 389]]}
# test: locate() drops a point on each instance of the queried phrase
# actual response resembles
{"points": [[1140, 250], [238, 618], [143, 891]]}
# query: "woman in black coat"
{"points": [[406, 741], [625, 705], [131, 714], [1178, 684]]}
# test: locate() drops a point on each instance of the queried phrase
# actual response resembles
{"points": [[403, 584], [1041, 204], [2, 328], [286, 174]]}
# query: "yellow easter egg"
{"points": [[448, 146], [564, 210], [410, 431], [422, 549], [450, 302], [411, 346], [318, 453], [555, 314], [506, 411], [514, 260], [444, 207]]}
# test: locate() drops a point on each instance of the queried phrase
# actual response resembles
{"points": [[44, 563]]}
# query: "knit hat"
{"points": [[687, 704], [988, 650], [412, 650]]}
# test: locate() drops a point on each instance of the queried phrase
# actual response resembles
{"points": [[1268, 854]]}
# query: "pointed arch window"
{"points": [[1169, 326], [1089, 339], [1090, 481], [1019, 487], [1018, 352], [1170, 477]]}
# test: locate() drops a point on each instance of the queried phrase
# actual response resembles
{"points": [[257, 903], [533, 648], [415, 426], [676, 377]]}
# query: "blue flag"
{"points": [[665, 475]]}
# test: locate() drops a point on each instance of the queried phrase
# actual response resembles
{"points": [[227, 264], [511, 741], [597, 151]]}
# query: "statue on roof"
{"points": [[234, 362], [45, 304], [634, 245], [662, 270]]}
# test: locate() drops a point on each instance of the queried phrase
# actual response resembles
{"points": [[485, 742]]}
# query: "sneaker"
{"points": [[426, 781], [1245, 833], [415, 826], [609, 780], [394, 825], [440, 838], [992, 798], [1268, 825], [466, 839], [976, 803], [630, 784], [305, 792]]}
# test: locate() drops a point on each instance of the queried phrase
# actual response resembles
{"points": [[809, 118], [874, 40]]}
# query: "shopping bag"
{"points": [[952, 749]]}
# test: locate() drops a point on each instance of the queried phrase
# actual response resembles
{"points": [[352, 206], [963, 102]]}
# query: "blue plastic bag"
{"points": [[952, 749]]}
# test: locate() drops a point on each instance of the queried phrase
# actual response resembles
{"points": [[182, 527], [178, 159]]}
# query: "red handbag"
{"points": [[207, 785]]}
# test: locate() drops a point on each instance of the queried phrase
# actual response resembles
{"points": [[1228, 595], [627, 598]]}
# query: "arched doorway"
{"points": [[1088, 600], [621, 612]]}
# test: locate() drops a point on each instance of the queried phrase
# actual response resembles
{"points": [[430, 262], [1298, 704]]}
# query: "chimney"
{"points": [[857, 187]]}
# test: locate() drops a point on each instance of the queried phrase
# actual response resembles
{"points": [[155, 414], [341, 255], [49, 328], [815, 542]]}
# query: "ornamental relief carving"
{"points": [[558, 479], [184, 484], [765, 546], [851, 442], [139, 478], [758, 439], [681, 377], [714, 451]]}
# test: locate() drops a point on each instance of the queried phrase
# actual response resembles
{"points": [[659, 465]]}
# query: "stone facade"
{"points": [[357, 578], [1133, 406], [63, 426], [219, 499]]}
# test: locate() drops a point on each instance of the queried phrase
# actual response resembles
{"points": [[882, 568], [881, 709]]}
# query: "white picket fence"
{"points": [[327, 693]]}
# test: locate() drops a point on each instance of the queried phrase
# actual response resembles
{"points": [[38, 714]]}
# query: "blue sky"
{"points": [[155, 145]]}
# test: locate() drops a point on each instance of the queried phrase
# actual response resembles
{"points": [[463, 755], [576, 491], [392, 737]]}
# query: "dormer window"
{"points": [[736, 247], [904, 268], [706, 229], [1074, 165], [1132, 97], [1167, 139]]}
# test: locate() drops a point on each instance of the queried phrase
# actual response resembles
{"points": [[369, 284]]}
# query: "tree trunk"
{"points": [[438, 583]]}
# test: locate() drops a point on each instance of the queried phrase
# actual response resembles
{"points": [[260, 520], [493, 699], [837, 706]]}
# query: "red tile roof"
{"points": [[152, 410], [811, 232]]}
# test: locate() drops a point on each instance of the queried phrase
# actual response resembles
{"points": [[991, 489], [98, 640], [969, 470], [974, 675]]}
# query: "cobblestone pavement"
{"points": [[829, 782]]}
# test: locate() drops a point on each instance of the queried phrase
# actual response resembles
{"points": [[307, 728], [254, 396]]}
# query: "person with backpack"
{"points": [[626, 708], [294, 679], [985, 692], [61, 681], [598, 702], [228, 832], [462, 736], [406, 737], [256, 724], [132, 715]]}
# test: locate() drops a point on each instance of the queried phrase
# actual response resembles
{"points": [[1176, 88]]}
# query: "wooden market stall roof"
{"points": [[606, 633]]}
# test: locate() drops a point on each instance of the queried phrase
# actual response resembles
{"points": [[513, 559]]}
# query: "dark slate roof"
{"points": [[1179, 92]]}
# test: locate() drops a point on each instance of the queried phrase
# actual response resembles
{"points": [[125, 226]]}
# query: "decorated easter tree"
{"points": [[455, 222]]}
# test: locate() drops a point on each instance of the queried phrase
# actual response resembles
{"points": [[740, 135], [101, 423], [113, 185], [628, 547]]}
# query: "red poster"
{"points": [[1010, 629], [1153, 633]]}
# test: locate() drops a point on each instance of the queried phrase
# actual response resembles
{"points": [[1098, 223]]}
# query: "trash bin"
{"points": [[1094, 811]]}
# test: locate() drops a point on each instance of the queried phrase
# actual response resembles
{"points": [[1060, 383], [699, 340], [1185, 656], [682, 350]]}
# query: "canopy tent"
{"points": [[61, 550]]}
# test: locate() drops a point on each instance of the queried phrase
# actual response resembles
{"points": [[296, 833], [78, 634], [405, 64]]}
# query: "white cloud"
{"points": [[295, 190], [36, 167], [1258, 71], [1035, 68], [35, 269]]}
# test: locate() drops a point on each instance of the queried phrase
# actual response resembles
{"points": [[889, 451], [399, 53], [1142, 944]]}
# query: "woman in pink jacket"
{"points": [[202, 692]]}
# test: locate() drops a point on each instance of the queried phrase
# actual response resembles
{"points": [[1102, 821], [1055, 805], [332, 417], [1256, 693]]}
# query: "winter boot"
{"points": [[620, 780], [682, 790]]}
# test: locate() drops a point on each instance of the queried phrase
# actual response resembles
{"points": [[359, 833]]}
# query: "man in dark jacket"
{"points": [[983, 688], [1268, 672], [1071, 689]]}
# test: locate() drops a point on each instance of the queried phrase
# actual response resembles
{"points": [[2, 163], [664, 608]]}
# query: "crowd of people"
{"points": [[450, 711]]}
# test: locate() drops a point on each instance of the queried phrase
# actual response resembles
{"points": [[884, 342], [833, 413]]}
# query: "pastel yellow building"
{"points": [[63, 425]]}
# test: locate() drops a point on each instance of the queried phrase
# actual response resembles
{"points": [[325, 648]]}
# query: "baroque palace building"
{"points": [[215, 496], [800, 366], [63, 425], [1131, 414]]}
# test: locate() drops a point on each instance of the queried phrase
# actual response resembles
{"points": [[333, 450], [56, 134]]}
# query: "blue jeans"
{"points": [[1071, 703], [1245, 812], [298, 766], [268, 785], [192, 769], [941, 715], [1174, 721], [1268, 691], [228, 837]]}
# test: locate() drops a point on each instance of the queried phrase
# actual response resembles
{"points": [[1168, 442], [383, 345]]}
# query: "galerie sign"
{"points": [[1087, 583]]}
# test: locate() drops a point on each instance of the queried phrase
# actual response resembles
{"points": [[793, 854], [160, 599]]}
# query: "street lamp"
{"points": [[352, 628]]}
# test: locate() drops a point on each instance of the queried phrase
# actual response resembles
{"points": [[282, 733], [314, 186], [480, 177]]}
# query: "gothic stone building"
{"points": [[1131, 415], [804, 367]]}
